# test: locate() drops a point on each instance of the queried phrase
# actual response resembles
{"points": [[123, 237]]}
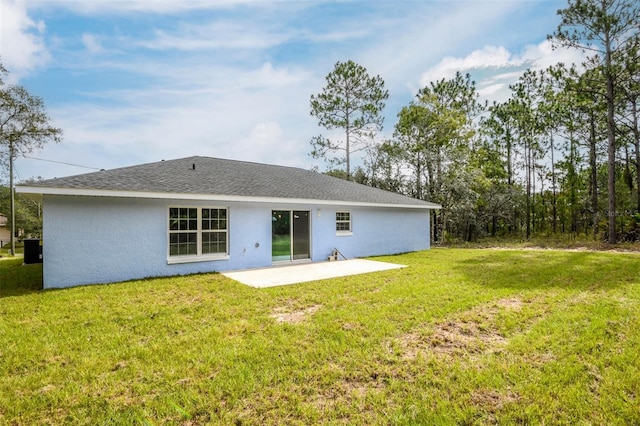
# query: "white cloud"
{"points": [[258, 115], [487, 57], [232, 79], [21, 39], [487, 91], [215, 36], [337, 36], [265, 139], [431, 30], [543, 55], [499, 68], [168, 7], [535, 56], [91, 43]]}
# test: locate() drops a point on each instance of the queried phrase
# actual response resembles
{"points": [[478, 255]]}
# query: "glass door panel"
{"points": [[280, 235], [301, 235]]}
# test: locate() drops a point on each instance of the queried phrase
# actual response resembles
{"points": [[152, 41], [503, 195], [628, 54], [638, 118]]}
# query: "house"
{"points": [[202, 214], [5, 232]]}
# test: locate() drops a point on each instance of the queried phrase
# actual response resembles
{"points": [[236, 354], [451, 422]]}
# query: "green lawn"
{"points": [[461, 336], [281, 246]]}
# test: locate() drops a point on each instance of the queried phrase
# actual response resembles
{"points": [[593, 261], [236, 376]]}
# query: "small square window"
{"points": [[343, 222]]}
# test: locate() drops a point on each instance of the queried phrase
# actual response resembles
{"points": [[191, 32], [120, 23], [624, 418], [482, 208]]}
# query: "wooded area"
{"points": [[560, 157]]}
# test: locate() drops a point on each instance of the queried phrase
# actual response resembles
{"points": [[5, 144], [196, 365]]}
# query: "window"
{"points": [[214, 231], [183, 231], [343, 222], [198, 232]]}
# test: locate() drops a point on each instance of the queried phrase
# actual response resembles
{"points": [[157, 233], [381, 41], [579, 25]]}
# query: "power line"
{"points": [[62, 162]]}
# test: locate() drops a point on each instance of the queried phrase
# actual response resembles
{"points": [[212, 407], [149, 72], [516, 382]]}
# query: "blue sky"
{"points": [[138, 81]]}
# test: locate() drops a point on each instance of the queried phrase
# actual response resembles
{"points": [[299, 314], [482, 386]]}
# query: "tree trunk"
{"points": [[594, 175], [553, 183], [636, 135], [509, 165], [611, 139], [419, 177], [573, 192], [347, 148], [533, 196], [434, 225], [528, 198]]}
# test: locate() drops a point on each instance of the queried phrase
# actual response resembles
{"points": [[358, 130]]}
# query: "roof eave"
{"points": [[38, 191]]}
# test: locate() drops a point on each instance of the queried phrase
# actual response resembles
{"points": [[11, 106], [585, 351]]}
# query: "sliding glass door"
{"points": [[300, 241], [290, 235], [280, 235]]}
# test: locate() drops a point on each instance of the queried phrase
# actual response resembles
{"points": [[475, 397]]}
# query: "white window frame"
{"points": [[199, 256], [349, 222]]}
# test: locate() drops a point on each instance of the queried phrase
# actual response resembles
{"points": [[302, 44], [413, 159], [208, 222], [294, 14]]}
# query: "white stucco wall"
{"points": [[375, 231], [90, 240]]}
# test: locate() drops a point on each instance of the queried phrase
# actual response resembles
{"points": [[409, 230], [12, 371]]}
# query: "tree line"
{"points": [[24, 127], [560, 156]]}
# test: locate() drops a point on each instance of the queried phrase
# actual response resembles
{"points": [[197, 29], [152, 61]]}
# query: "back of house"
{"points": [[202, 214]]}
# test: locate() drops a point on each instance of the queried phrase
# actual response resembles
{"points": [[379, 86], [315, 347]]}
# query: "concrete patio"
{"points": [[294, 274]]}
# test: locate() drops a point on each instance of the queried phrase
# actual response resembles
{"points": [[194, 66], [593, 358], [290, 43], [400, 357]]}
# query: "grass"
{"points": [[16, 278], [458, 337], [567, 242], [281, 246]]}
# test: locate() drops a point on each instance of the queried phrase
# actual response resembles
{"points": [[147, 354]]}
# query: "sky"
{"points": [[138, 81]]}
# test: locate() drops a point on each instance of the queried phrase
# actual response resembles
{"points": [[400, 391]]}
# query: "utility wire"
{"points": [[62, 162]]}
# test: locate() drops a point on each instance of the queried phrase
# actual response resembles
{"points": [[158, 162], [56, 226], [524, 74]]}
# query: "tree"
{"points": [[530, 127], [384, 166], [436, 132], [497, 160], [353, 101], [24, 126], [605, 28], [585, 119], [28, 213], [631, 97], [501, 127]]}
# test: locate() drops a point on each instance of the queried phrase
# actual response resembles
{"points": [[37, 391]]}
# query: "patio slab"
{"points": [[294, 274]]}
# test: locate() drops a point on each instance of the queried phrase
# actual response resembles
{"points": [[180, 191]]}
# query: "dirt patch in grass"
{"points": [[492, 401], [453, 338], [473, 332], [47, 388], [285, 315], [540, 358], [348, 392], [513, 303], [459, 337]]}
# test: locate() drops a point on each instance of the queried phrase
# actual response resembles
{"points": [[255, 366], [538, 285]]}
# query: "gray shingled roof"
{"points": [[214, 176]]}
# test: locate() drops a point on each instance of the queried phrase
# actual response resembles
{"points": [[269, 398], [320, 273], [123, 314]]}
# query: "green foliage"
{"points": [[351, 100], [28, 213], [608, 29], [532, 165], [24, 126], [456, 337], [435, 135], [597, 25]]}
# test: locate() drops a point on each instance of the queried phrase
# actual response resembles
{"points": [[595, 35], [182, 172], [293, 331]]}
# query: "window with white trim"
{"points": [[343, 222], [198, 231]]}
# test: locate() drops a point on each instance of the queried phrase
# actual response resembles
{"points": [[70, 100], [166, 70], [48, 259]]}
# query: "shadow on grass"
{"points": [[539, 269], [17, 279]]}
